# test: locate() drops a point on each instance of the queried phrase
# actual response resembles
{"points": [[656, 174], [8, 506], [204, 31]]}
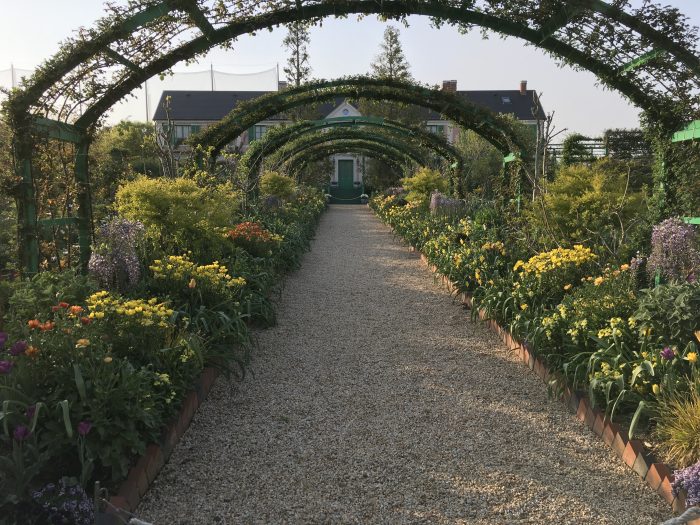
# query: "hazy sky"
{"points": [[31, 30]]}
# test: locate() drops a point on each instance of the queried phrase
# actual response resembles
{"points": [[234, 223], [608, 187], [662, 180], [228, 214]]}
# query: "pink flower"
{"points": [[21, 433], [84, 427], [667, 353]]}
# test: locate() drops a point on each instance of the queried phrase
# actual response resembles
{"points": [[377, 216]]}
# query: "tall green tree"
{"points": [[391, 62], [296, 43]]}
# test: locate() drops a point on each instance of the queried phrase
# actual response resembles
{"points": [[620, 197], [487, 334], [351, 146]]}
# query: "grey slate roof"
{"points": [[215, 105]]}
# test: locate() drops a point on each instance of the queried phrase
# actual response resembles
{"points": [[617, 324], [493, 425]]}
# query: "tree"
{"points": [[391, 63], [296, 42]]}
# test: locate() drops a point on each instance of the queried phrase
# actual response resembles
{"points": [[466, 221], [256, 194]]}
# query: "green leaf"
{"points": [[79, 382], [641, 407], [65, 409]]}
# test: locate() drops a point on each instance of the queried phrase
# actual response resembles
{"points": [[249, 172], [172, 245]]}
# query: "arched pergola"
{"points": [[396, 161], [400, 157], [281, 136], [494, 128], [410, 147], [648, 54]]}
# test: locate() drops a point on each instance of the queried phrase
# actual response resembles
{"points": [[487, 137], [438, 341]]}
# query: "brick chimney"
{"points": [[449, 86], [523, 87]]}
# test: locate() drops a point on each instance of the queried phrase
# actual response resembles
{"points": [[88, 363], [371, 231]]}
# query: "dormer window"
{"points": [[505, 99]]}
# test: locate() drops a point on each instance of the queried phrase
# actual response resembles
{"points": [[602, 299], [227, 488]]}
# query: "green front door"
{"points": [[346, 169], [345, 192]]}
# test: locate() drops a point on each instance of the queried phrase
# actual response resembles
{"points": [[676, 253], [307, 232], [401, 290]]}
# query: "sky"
{"points": [[31, 30]]}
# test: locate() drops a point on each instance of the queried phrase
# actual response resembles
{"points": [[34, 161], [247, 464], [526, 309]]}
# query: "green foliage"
{"points": [[575, 151], [178, 214], [593, 205], [678, 426], [484, 164], [119, 154], [423, 183], [277, 185]]}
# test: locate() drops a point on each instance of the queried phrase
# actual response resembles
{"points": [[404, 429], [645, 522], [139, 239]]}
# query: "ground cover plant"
{"points": [[619, 325], [93, 366]]}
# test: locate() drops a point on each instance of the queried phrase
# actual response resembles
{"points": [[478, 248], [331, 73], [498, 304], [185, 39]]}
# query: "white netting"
{"points": [[11, 77], [140, 107]]}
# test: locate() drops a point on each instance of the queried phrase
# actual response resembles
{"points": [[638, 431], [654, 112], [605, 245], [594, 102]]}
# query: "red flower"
{"points": [[63, 305], [85, 320]]}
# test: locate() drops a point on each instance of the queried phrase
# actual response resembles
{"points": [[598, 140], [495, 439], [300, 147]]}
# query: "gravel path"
{"points": [[376, 400]]}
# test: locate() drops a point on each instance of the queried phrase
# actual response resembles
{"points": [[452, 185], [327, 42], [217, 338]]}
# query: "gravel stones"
{"points": [[376, 400]]}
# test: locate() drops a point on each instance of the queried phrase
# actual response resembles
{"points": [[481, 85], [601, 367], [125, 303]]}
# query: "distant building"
{"points": [[191, 111]]}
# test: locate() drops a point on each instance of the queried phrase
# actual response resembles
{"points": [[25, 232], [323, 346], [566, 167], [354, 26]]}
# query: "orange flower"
{"points": [[31, 351], [85, 320], [48, 325], [75, 310], [34, 323], [82, 343]]}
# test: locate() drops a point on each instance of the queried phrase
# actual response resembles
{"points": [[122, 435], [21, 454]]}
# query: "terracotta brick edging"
{"points": [[147, 467], [632, 452]]}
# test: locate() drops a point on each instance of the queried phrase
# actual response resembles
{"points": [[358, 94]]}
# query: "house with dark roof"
{"points": [[190, 111]]}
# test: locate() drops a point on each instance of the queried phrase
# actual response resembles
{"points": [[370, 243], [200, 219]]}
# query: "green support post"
{"points": [[84, 206], [29, 244]]}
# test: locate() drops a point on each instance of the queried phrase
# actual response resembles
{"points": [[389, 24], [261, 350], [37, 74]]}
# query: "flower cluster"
{"points": [[114, 261], [65, 502], [674, 250], [181, 268], [249, 231], [688, 479], [145, 312], [560, 257]]}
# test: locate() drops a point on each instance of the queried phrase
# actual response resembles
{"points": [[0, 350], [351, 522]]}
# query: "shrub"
{"points": [[591, 205], [253, 238], [280, 186], [678, 428], [423, 183], [179, 215]]}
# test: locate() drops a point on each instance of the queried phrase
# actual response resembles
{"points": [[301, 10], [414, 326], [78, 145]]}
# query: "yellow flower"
{"points": [[107, 359], [567, 287], [598, 281], [523, 307], [625, 267], [192, 283], [692, 357], [82, 343], [656, 389], [697, 335]]}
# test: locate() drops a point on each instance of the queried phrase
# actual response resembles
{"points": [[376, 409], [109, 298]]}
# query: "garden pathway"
{"points": [[376, 400]]}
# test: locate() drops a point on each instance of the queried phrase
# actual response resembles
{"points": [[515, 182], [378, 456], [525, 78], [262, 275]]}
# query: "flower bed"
{"points": [[588, 324], [94, 367]]}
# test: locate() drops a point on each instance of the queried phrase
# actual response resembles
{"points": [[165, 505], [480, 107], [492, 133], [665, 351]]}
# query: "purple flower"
{"points": [[674, 252], [114, 261], [84, 427], [30, 411], [18, 348], [688, 479], [6, 366], [21, 433], [667, 353]]}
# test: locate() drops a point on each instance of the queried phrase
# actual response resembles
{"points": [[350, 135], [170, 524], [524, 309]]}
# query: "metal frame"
{"points": [[28, 100]]}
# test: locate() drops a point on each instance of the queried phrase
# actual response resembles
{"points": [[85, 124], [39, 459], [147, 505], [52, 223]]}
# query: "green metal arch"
{"points": [[408, 147], [349, 146], [542, 37], [318, 153], [489, 125], [278, 137]]}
